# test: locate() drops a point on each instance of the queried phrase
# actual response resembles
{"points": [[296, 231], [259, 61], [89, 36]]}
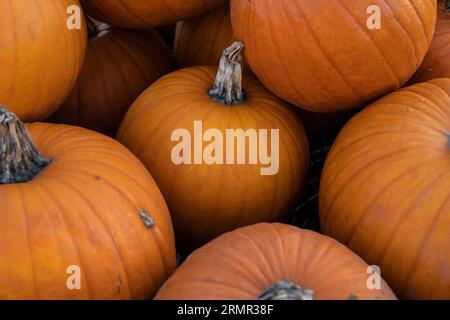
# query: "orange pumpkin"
{"points": [[273, 262], [87, 214], [138, 14], [322, 56], [229, 183], [201, 40], [385, 189], [437, 61], [119, 65], [40, 57]]}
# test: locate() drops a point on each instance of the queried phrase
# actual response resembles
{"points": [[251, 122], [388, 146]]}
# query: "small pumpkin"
{"points": [[81, 216], [40, 57], [201, 40], [321, 55], [119, 65], [227, 185], [138, 14], [437, 61], [273, 262], [385, 189]]}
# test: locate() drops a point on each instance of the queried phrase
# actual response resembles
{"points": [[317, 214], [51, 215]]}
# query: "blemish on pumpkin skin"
{"points": [[98, 178], [352, 297], [31, 31], [380, 208], [147, 219]]}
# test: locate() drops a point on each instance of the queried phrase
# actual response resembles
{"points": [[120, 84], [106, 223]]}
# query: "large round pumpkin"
{"points": [[201, 40], [86, 221], [119, 65], [138, 14], [385, 189], [223, 182], [437, 61], [273, 262], [321, 54], [40, 57]]}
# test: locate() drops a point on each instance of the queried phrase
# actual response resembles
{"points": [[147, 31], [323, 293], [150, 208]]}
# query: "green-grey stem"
{"points": [[287, 290], [227, 87], [20, 161], [447, 6]]}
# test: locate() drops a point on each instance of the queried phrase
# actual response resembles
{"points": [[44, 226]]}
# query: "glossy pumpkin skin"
{"points": [[207, 200], [120, 64], [321, 56], [83, 210], [201, 40], [385, 189], [437, 61], [242, 264], [138, 14], [40, 58]]}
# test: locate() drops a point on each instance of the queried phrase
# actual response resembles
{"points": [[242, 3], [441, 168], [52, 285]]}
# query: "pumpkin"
{"points": [[273, 262], [321, 55], [119, 65], [437, 61], [385, 189], [40, 57], [201, 40], [230, 183], [81, 216], [138, 14]]}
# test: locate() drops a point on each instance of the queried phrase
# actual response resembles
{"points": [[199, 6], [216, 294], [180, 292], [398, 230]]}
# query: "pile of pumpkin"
{"points": [[93, 184]]}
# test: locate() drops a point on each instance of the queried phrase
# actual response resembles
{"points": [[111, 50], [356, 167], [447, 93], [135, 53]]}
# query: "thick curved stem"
{"points": [[20, 161], [287, 290], [227, 87]]}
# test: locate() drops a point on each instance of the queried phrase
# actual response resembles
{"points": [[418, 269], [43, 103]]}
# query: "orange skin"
{"points": [[138, 14], [385, 189], [201, 40], [437, 61], [320, 55], [40, 58], [208, 200], [120, 64], [83, 209], [242, 264]]}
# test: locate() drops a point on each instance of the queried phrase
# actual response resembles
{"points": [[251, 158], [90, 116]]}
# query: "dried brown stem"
{"points": [[19, 158], [227, 87], [287, 290]]}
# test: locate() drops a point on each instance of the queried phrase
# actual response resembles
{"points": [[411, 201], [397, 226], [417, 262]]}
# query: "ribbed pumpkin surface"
{"points": [[83, 210], [385, 189], [207, 200], [201, 40], [138, 14], [242, 264], [120, 64], [321, 55], [40, 58], [437, 61]]}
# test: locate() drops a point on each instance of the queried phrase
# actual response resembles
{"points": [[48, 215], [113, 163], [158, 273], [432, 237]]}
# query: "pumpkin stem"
{"points": [[287, 290], [227, 87], [447, 6], [19, 158]]}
